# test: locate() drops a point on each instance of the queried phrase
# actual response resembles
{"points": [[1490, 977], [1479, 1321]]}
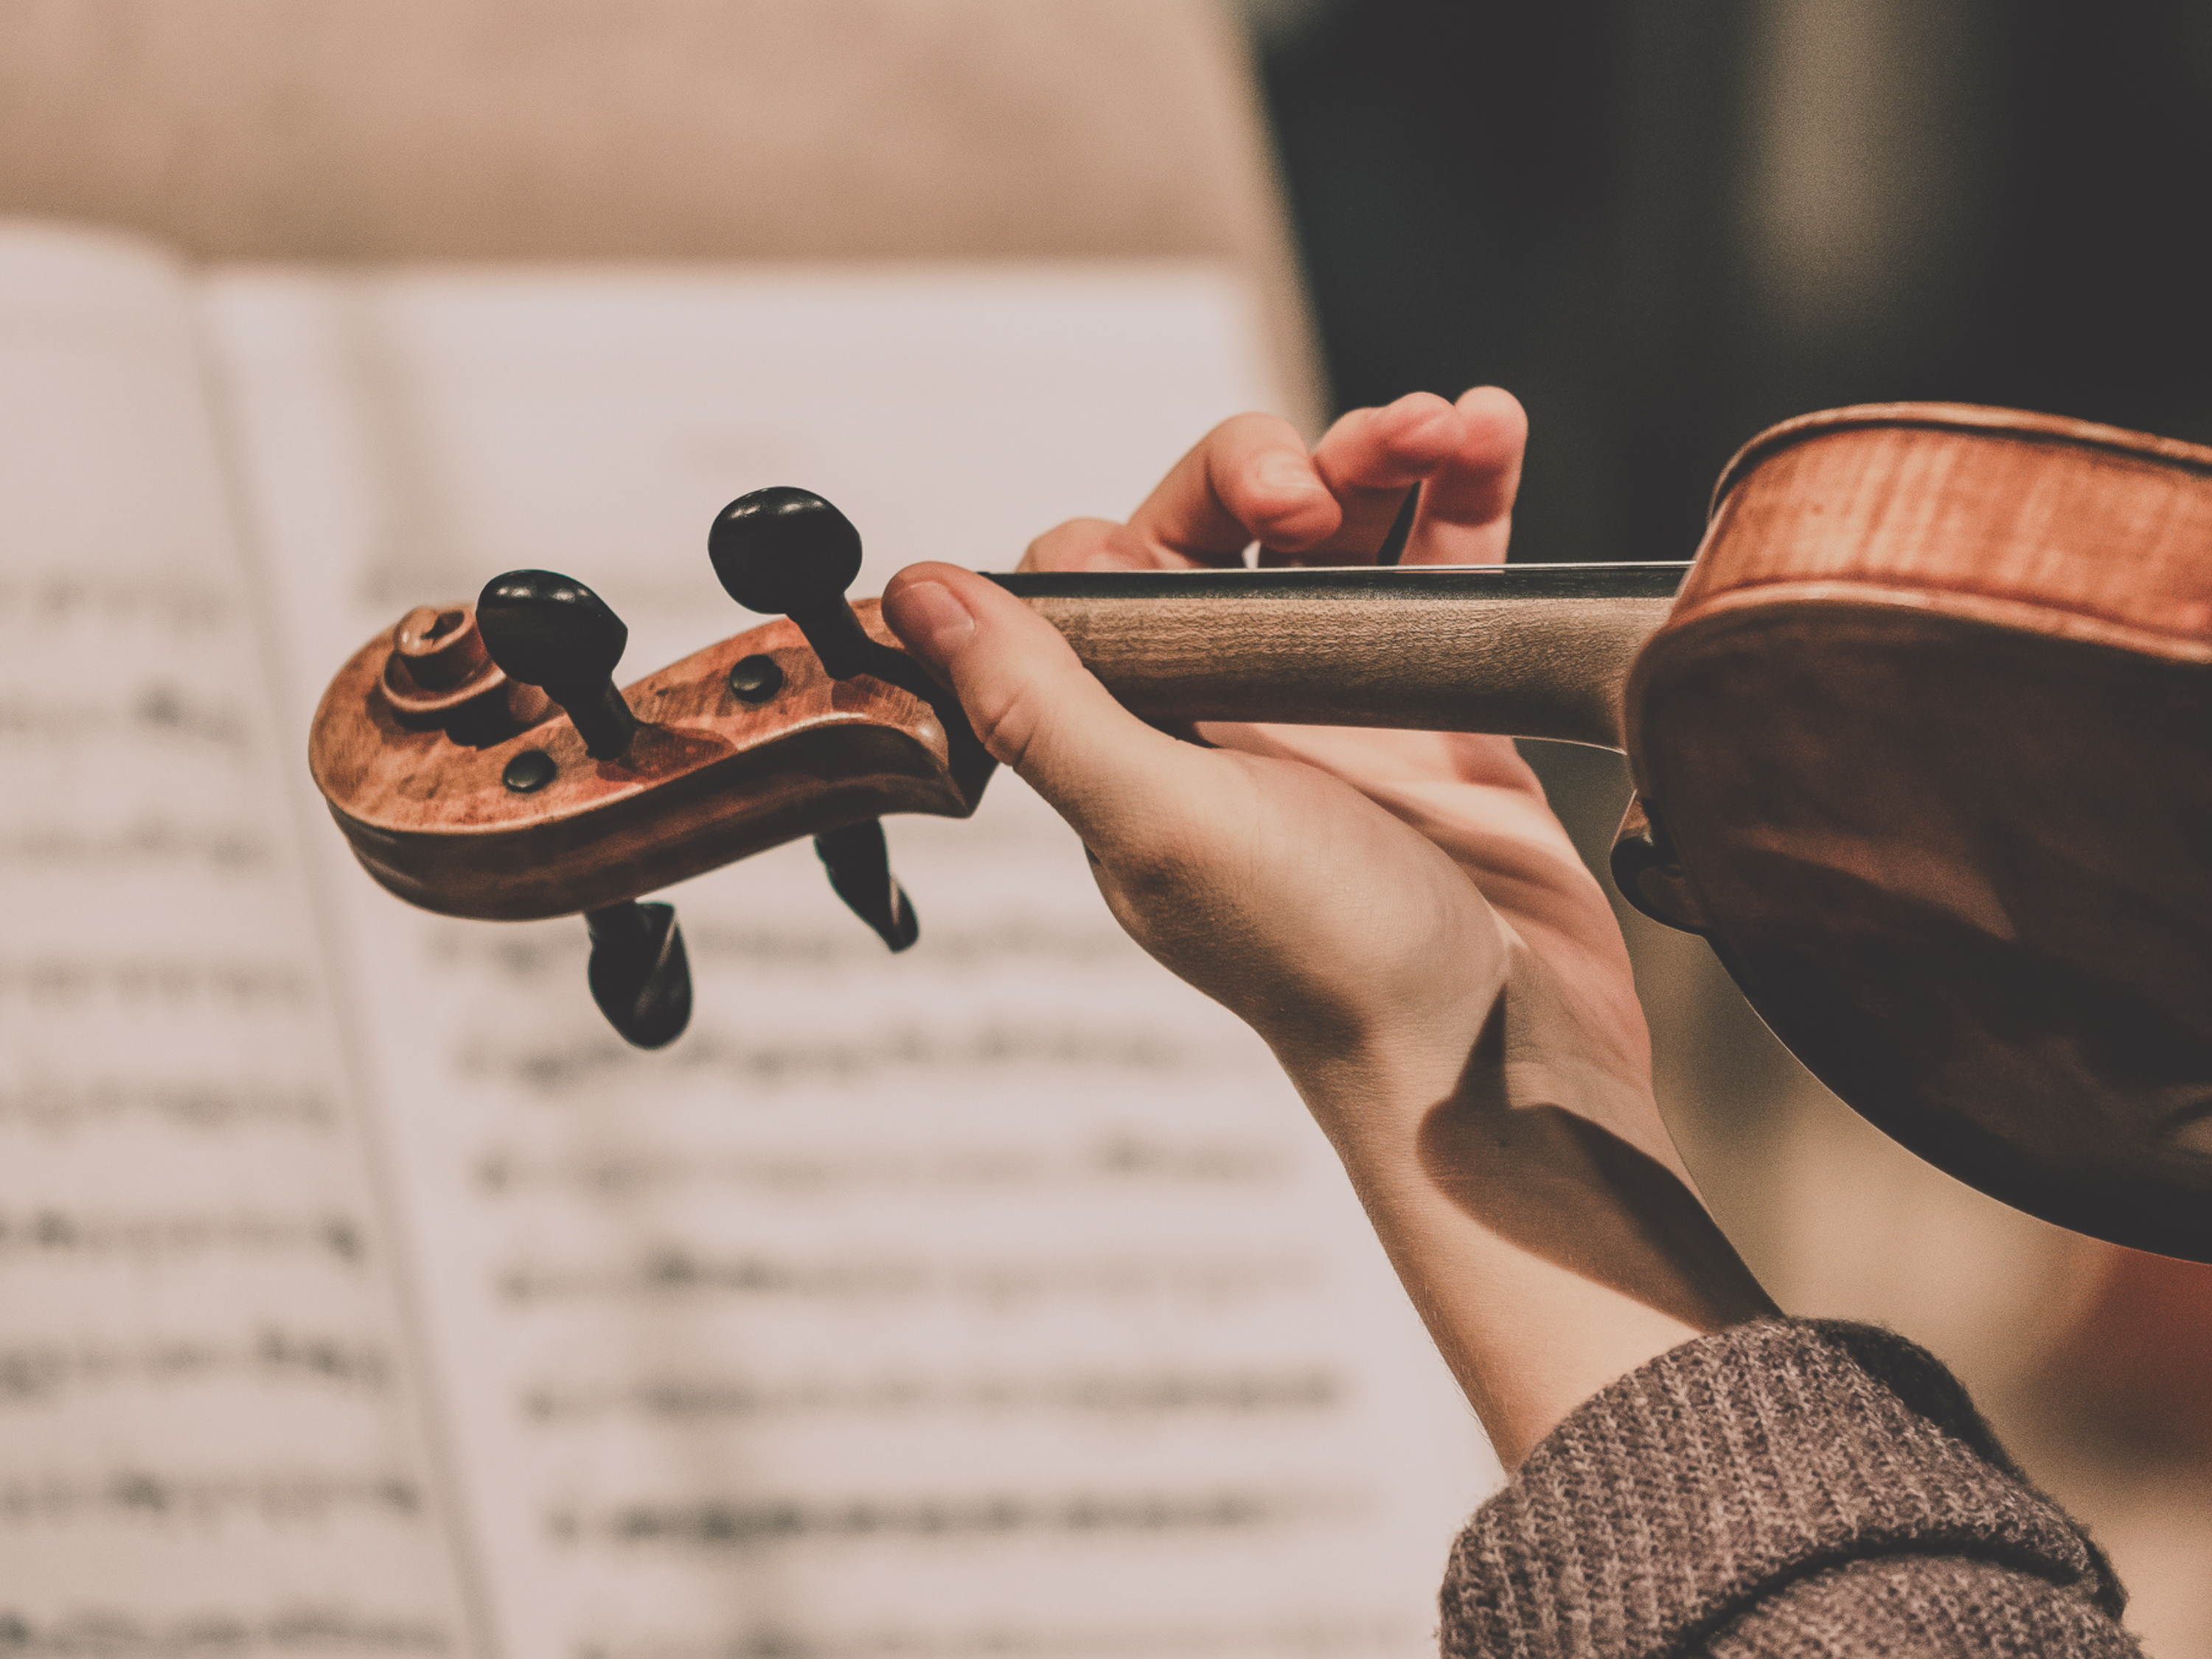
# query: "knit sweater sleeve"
{"points": [[1784, 1488]]}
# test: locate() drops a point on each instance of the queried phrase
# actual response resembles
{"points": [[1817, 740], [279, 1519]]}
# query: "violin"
{"points": [[1918, 743]]}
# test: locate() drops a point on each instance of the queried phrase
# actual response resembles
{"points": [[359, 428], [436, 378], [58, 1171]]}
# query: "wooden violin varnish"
{"points": [[1926, 733]]}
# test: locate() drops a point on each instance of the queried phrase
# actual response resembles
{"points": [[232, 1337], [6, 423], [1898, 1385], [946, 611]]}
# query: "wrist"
{"points": [[1547, 1253]]}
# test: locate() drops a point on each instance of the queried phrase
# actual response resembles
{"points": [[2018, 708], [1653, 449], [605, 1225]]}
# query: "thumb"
{"points": [[1033, 704]]}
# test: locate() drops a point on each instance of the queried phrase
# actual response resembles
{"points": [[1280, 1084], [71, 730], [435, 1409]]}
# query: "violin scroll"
{"points": [[462, 789], [438, 674]]}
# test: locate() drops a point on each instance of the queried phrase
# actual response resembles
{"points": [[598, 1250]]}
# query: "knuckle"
{"points": [[1011, 720], [1251, 423]]}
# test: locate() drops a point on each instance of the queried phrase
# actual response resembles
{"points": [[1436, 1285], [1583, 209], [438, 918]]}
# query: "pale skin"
{"points": [[1399, 915]]}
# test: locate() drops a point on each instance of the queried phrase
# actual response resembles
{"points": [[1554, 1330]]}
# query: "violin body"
{"points": [[1926, 750], [1919, 748]]}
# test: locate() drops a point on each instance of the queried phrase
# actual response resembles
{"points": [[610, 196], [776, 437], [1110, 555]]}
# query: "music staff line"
{"points": [[151, 979], [227, 849], [159, 714], [40, 1374], [739, 1524], [525, 955], [677, 1270], [1110, 1159], [143, 1495], [1096, 1393], [766, 1063], [46, 1234], [54, 1108], [1304, 1639], [102, 1634], [63, 599]]}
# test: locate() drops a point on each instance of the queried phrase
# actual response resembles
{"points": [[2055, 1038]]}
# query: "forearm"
{"points": [[1547, 1256]]}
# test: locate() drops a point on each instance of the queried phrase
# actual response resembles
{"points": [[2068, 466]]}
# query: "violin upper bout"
{"points": [[511, 819]]}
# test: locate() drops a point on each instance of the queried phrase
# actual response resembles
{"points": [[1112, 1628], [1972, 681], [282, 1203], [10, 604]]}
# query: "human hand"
{"points": [[1472, 796], [1398, 915]]}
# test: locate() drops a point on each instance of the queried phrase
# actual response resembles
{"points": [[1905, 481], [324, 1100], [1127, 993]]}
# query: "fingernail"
{"points": [[930, 618]]}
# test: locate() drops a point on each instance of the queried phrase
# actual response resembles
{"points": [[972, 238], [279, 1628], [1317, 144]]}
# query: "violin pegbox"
{"points": [[462, 788]]}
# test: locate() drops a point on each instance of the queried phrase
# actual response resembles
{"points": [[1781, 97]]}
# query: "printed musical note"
{"points": [[951, 1304], [204, 1448]]}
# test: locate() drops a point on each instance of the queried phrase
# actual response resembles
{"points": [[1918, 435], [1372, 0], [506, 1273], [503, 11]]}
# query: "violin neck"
{"points": [[1530, 650]]}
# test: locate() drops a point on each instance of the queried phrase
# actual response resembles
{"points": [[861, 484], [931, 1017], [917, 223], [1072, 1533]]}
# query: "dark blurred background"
{"points": [[1668, 226]]}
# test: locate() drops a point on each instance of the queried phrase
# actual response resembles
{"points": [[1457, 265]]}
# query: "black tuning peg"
{"points": [[787, 551], [548, 631], [639, 974], [860, 867]]}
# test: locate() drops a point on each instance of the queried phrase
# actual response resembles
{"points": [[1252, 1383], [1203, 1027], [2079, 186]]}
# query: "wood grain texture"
{"points": [[708, 780], [1528, 667], [1927, 732], [2065, 528]]}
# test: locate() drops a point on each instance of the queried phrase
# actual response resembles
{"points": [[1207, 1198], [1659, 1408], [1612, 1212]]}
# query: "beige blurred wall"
{"points": [[378, 129]]}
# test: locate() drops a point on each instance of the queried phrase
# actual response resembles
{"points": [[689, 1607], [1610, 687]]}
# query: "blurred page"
{"points": [[999, 1297], [201, 1432]]}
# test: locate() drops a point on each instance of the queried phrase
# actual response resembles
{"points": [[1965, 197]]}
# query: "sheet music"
{"points": [[203, 1440], [997, 1297]]}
